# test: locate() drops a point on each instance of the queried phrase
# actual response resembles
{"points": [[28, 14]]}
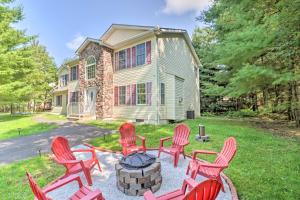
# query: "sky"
{"points": [[62, 25]]}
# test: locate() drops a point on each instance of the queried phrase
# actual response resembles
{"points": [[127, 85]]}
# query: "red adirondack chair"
{"points": [[180, 140], [207, 190], [213, 170], [128, 139], [64, 156], [84, 193]]}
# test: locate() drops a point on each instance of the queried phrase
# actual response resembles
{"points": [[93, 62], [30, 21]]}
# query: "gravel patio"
{"points": [[106, 180]]}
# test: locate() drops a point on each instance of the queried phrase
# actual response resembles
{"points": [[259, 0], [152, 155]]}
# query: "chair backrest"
{"points": [[207, 190], [127, 131], [228, 151], [38, 193], [181, 135], [61, 149]]}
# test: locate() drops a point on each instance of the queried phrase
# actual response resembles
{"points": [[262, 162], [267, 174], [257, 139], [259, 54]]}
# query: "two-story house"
{"points": [[139, 73]]}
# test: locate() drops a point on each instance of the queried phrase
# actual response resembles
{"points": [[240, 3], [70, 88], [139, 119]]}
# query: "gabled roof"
{"points": [[145, 31], [113, 27], [87, 41]]}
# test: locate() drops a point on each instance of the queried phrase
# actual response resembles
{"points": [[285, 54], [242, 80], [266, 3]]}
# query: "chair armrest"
{"points": [[186, 143], [188, 182], [140, 137], [87, 151], [92, 195], [122, 142], [62, 182], [149, 195], [162, 140], [203, 152], [166, 138], [63, 162], [201, 164], [83, 150]]}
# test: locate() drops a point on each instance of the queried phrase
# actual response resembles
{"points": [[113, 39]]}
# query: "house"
{"points": [[139, 73]]}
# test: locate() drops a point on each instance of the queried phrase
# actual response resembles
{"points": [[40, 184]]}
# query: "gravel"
{"points": [[106, 180]]}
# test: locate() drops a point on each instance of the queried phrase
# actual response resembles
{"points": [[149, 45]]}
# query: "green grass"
{"points": [[53, 116], [13, 181], [9, 126], [266, 166]]}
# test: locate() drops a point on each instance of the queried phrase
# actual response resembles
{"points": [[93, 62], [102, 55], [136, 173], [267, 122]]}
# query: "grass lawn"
{"points": [[9, 126], [13, 181], [266, 166], [54, 117]]}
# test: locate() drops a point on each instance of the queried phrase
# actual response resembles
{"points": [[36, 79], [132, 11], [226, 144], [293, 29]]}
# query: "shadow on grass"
{"points": [[28, 130], [9, 117]]}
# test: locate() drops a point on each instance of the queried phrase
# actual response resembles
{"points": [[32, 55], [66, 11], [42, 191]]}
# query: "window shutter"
{"points": [[148, 52], [116, 61], [133, 60], [128, 95], [129, 58], [116, 92], [149, 93], [133, 94]]}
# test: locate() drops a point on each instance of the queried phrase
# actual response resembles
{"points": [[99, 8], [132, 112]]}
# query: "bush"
{"points": [[243, 113]]}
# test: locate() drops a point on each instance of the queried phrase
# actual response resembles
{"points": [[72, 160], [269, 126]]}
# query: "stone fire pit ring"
{"points": [[135, 182]]}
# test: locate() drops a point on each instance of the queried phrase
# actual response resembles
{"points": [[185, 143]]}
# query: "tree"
{"points": [[43, 74], [257, 42], [15, 55]]}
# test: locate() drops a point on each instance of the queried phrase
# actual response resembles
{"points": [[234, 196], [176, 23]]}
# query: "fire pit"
{"points": [[137, 173]]}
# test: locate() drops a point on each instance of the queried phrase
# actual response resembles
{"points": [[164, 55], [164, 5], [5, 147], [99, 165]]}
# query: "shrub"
{"points": [[243, 113]]}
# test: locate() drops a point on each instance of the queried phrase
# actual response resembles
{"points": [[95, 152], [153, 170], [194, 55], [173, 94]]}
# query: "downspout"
{"points": [[157, 31]]}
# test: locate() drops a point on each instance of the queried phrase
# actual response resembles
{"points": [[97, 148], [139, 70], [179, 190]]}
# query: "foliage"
{"points": [[243, 113], [15, 55], [271, 175], [28, 126], [257, 45], [26, 69], [13, 181]]}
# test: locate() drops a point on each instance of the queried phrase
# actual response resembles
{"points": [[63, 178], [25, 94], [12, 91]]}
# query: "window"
{"points": [[91, 67], [64, 80], [59, 100], [162, 94], [122, 95], [141, 94], [122, 59], [140, 54], [74, 73], [74, 97]]}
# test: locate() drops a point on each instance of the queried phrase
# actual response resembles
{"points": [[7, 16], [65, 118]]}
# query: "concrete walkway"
{"points": [[15, 149]]}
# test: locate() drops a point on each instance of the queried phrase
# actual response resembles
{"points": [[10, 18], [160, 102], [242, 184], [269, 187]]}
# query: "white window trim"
{"points": [[125, 59], [77, 72], [86, 66], [145, 53], [120, 95], [136, 95]]}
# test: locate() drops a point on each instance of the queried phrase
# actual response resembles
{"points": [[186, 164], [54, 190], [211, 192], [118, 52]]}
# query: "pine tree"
{"points": [[15, 55], [257, 43]]}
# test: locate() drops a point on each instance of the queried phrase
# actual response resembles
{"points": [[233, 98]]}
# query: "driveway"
{"points": [[15, 149]]}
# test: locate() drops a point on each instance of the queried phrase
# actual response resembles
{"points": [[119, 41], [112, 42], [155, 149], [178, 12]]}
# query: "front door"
{"points": [[90, 101]]}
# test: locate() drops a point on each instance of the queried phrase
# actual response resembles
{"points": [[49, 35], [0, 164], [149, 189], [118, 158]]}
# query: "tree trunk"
{"points": [[290, 102], [254, 102]]}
